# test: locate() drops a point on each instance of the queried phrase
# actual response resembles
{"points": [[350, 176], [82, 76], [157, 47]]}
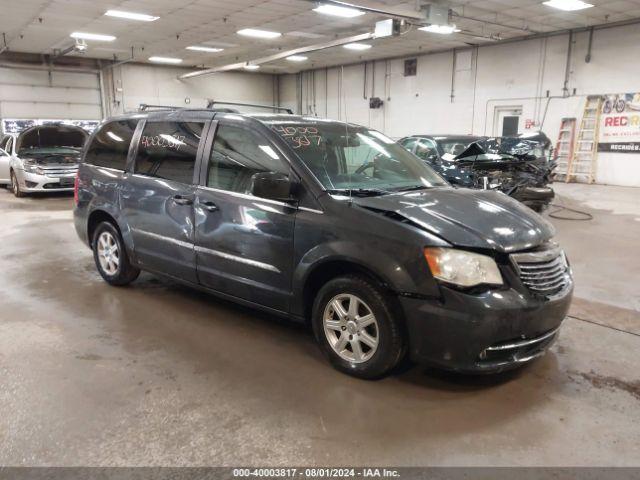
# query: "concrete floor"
{"points": [[157, 374]]}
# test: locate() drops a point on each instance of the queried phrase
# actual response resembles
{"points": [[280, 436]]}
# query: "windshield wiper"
{"points": [[412, 188], [359, 192]]}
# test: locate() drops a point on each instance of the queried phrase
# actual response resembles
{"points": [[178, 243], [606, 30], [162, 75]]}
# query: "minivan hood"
{"points": [[468, 218]]}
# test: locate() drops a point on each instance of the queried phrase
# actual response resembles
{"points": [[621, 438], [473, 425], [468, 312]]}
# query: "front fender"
{"points": [[401, 273]]}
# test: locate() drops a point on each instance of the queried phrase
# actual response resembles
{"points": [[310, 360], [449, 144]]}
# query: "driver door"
{"points": [[244, 243]]}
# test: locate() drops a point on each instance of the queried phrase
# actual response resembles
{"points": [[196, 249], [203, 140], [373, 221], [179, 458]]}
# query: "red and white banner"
{"points": [[620, 124]]}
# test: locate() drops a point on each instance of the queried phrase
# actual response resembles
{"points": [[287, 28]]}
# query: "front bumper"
{"points": [[33, 182], [489, 332], [534, 197]]}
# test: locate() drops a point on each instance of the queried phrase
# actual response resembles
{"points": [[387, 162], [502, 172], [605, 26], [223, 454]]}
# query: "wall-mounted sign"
{"points": [[620, 124]]}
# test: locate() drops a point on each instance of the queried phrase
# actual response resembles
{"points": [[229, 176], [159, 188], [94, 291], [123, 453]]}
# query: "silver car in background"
{"points": [[43, 158]]}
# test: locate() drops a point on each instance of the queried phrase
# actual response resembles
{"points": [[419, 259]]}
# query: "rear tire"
{"points": [[15, 186], [111, 257], [356, 329]]}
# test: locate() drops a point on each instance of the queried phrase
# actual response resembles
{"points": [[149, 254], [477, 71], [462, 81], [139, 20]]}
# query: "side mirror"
{"points": [[272, 185]]}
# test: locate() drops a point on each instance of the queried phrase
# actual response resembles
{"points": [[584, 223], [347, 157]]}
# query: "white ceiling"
{"points": [[40, 26]]}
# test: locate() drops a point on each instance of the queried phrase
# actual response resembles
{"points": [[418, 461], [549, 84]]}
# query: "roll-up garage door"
{"points": [[40, 94]]}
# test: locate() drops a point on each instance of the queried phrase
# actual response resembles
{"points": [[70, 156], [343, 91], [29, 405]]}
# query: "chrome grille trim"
{"points": [[523, 343], [544, 272], [59, 171]]}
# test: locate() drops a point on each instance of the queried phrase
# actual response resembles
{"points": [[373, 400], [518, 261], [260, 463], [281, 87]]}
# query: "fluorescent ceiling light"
{"points": [[297, 58], [441, 29], [337, 11], [172, 140], [252, 32], [115, 137], [141, 17], [252, 67], [173, 61], [196, 48], [568, 5], [93, 36], [357, 46]]}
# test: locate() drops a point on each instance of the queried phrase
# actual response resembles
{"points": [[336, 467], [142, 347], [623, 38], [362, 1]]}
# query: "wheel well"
{"points": [[95, 219], [330, 270]]}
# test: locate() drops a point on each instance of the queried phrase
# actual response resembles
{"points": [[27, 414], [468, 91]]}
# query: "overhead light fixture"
{"points": [[169, 60], [297, 58], [357, 46], [196, 48], [253, 32], [568, 5], [93, 36], [141, 17], [337, 11], [252, 67], [441, 29]]}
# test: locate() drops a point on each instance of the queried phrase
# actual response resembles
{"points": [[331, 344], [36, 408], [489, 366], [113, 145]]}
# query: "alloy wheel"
{"points": [[351, 328], [108, 253]]}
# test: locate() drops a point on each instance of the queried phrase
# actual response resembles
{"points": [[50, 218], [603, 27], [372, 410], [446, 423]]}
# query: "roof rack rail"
{"points": [[212, 103], [144, 107]]}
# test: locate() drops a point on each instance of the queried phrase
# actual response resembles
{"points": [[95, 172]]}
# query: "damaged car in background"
{"points": [[43, 158], [517, 166]]}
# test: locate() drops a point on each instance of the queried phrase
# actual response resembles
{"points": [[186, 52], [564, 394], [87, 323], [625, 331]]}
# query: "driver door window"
{"points": [[237, 155], [426, 149]]}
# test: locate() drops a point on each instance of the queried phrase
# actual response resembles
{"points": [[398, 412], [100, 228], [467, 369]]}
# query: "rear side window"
{"points": [[110, 146], [168, 150], [237, 155]]}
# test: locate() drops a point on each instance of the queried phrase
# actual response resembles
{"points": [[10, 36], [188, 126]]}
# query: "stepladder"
{"points": [[564, 147], [583, 161]]}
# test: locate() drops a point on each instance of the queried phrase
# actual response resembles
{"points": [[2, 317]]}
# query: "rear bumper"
{"points": [[491, 332], [33, 182]]}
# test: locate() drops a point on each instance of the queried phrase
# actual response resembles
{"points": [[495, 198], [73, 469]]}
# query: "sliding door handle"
{"points": [[182, 200], [209, 206]]}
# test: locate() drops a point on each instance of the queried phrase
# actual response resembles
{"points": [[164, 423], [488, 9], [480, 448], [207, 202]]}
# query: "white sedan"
{"points": [[41, 159]]}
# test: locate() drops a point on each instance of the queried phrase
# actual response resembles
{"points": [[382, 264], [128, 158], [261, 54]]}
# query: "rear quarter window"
{"points": [[110, 147]]}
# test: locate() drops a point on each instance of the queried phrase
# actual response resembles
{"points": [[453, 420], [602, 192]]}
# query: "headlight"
{"points": [[462, 268], [32, 168]]}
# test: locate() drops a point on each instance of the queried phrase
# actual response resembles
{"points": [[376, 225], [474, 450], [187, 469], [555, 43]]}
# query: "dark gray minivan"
{"points": [[328, 223]]}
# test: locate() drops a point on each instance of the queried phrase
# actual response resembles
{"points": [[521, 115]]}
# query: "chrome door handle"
{"points": [[209, 206], [182, 200]]}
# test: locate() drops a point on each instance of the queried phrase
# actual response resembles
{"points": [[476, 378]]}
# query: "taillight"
{"points": [[76, 184]]}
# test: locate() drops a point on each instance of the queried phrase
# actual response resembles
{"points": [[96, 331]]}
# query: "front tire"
{"points": [[356, 329], [15, 186], [111, 257]]}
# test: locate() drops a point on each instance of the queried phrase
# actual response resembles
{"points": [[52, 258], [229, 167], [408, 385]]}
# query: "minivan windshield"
{"points": [[348, 158]]}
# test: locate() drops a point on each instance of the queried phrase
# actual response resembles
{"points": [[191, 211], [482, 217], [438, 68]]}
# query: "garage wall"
{"points": [[129, 85], [33, 93], [459, 92]]}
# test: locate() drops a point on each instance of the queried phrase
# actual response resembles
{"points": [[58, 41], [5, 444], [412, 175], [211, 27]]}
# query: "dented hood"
{"points": [[468, 218]]}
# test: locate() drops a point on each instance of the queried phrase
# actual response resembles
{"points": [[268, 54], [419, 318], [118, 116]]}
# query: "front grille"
{"points": [[59, 171], [544, 272]]}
